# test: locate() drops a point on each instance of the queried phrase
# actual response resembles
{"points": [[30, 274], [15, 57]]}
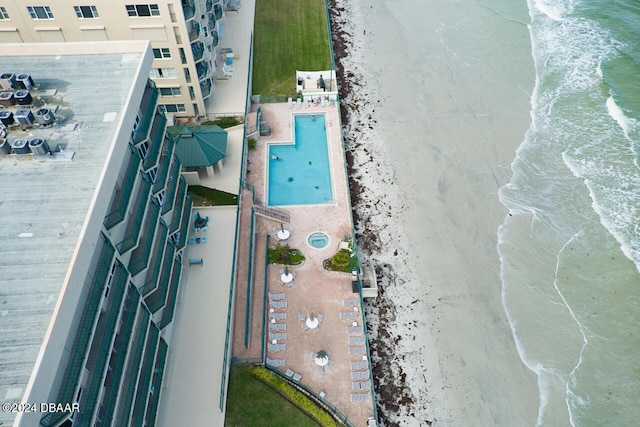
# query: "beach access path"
{"points": [[315, 290]]}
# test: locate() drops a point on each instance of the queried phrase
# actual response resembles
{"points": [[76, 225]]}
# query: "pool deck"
{"points": [[315, 289]]}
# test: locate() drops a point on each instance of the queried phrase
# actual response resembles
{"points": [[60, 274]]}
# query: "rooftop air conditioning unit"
{"points": [[24, 81], [44, 116], [7, 81], [5, 146], [20, 146], [24, 117], [23, 97], [39, 146], [6, 117], [6, 99]]}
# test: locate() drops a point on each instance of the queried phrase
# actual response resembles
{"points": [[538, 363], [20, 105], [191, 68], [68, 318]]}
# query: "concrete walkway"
{"points": [[191, 390]]}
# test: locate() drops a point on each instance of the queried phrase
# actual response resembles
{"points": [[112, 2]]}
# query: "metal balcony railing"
{"points": [[104, 350], [172, 184], [144, 381], [84, 334], [129, 320], [135, 219], [140, 256], [156, 138], [217, 10], [163, 166], [156, 300], [170, 306], [151, 280], [148, 108], [186, 220], [197, 48], [123, 195], [156, 384], [179, 204], [127, 392]]}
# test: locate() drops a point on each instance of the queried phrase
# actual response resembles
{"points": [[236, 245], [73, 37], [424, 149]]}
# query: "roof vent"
{"points": [[23, 97], [6, 117], [39, 146], [5, 146], [24, 81], [7, 81], [44, 116], [20, 146], [6, 99], [24, 117]]}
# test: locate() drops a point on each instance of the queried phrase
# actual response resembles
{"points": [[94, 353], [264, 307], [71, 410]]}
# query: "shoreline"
{"points": [[428, 144], [392, 393]]}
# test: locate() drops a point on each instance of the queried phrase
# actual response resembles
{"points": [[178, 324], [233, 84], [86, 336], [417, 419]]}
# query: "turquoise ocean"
{"points": [[570, 247]]}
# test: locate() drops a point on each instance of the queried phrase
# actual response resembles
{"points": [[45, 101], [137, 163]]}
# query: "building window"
{"points": [[86, 12], [3, 13], [172, 108], [153, 174], [170, 91], [143, 10], [40, 12], [162, 53], [143, 150], [162, 73]]}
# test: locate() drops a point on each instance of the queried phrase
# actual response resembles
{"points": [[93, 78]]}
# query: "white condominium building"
{"points": [[183, 33]]}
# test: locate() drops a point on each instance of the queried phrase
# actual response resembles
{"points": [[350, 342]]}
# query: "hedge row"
{"points": [[294, 396]]}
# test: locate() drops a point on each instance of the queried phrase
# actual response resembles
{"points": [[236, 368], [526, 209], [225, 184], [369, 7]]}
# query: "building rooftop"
{"points": [[45, 200]]}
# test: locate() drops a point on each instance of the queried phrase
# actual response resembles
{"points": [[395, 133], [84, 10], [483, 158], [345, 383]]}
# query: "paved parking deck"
{"points": [[315, 290]]}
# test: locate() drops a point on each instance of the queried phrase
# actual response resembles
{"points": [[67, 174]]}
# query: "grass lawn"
{"points": [[289, 35], [252, 403], [204, 196]]}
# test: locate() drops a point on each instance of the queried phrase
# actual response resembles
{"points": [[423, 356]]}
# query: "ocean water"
{"points": [[570, 248]]}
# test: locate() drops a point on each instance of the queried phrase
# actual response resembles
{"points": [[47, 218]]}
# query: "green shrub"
{"points": [[341, 261], [283, 254], [295, 396], [224, 122], [252, 143]]}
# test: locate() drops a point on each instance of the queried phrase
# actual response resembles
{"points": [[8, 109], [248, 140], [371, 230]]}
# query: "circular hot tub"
{"points": [[318, 240]]}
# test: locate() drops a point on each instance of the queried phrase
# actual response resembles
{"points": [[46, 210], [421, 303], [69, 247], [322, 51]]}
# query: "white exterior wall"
{"points": [[169, 30]]}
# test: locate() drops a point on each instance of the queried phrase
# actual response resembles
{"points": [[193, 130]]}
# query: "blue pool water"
{"points": [[318, 240], [301, 174]]}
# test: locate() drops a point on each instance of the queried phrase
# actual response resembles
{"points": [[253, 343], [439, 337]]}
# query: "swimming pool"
{"points": [[299, 173]]}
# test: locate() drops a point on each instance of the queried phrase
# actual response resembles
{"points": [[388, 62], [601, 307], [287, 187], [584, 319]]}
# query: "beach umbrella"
{"points": [[282, 226], [322, 358], [286, 270]]}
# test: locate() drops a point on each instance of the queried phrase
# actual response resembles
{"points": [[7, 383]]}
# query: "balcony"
{"points": [[144, 381], [205, 88], [217, 11], [169, 308], [197, 48], [163, 166], [155, 141], [83, 336], [215, 39], [177, 209], [186, 220], [123, 194], [135, 219], [188, 9], [156, 383], [140, 256], [209, 5], [157, 299], [123, 341], [99, 355], [172, 184], [211, 21], [147, 110], [130, 381], [203, 70], [193, 28], [151, 280]]}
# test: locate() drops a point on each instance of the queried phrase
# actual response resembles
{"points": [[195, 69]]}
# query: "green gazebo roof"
{"points": [[199, 146]]}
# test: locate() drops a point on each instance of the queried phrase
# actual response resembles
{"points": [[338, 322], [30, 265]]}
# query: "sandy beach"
{"points": [[436, 99]]}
